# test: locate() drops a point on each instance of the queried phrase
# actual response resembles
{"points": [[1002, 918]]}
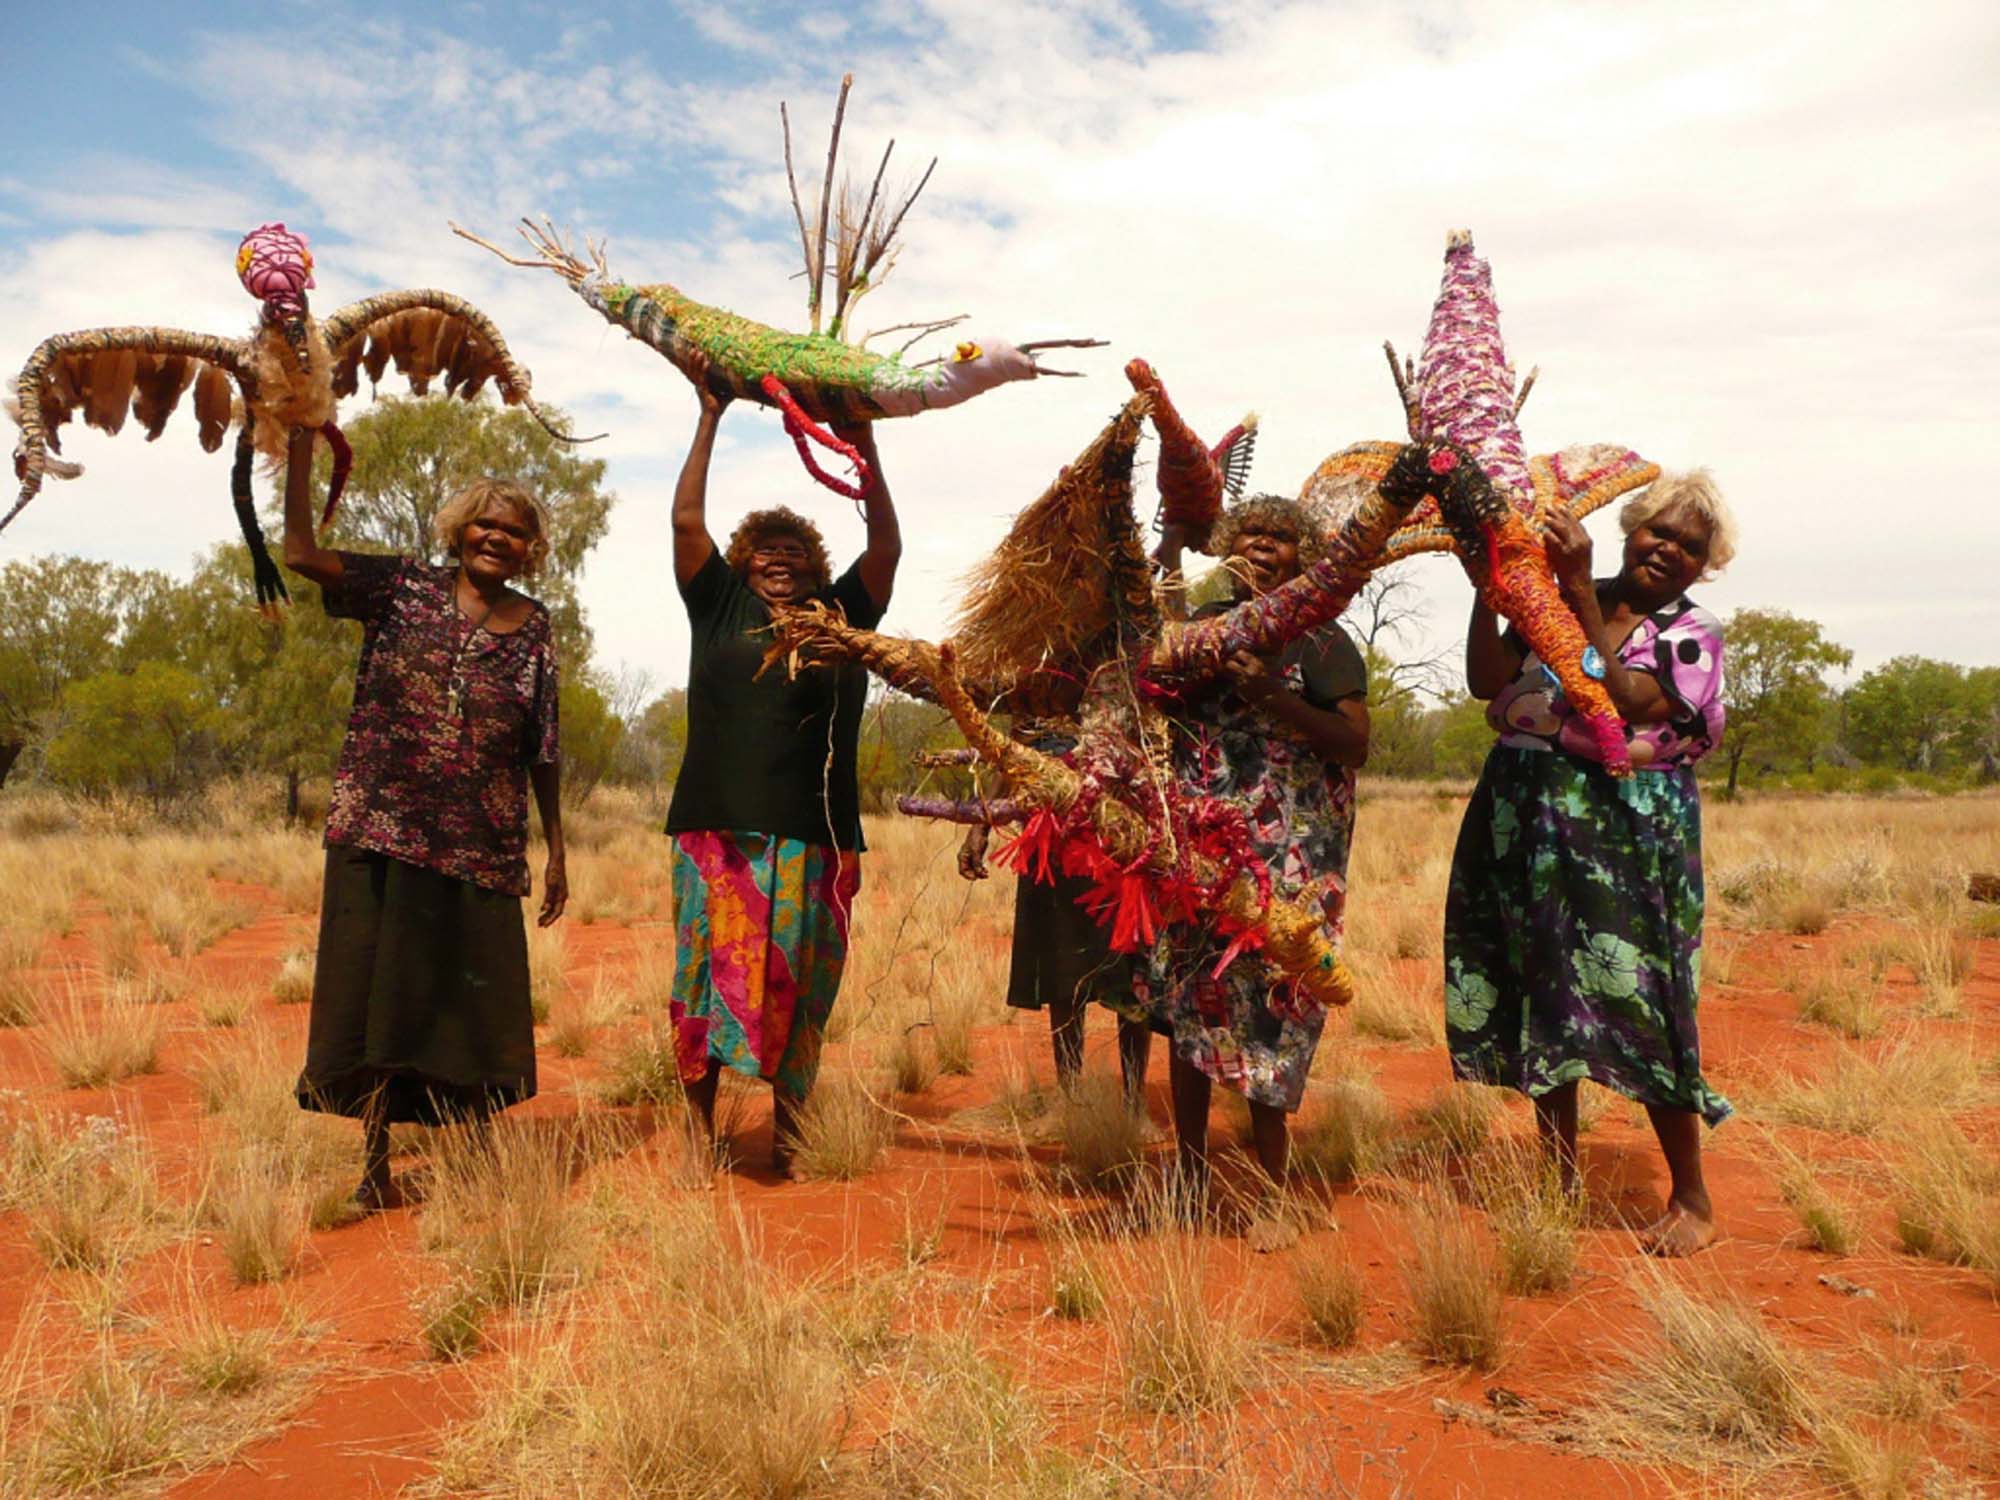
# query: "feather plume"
{"points": [[289, 392], [159, 389], [376, 360], [214, 395], [112, 372]]}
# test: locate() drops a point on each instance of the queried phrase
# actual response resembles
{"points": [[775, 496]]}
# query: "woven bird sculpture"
{"points": [[1068, 597], [291, 370], [823, 375], [1461, 394]]}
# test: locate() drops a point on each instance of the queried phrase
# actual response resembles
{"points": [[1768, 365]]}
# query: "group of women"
{"points": [[1572, 926]]}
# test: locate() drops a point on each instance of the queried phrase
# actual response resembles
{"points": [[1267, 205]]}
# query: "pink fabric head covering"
{"points": [[276, 268]]}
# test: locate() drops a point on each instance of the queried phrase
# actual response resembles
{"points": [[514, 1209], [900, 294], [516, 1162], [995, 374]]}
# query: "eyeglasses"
{"points": [[783, 552]]}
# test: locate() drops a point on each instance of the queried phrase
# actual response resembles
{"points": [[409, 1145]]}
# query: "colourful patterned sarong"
{"points": [[760, 936]]}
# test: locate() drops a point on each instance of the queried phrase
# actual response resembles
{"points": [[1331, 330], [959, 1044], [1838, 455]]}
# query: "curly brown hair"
{"points": [[1269, 515], [779, 520]]}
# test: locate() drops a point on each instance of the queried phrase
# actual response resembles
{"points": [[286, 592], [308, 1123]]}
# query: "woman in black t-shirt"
{"points": [[765, 819]]}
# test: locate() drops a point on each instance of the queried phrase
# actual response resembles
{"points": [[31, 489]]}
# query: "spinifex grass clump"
{"points": [[1862, 1094], [1345, 1130], [1103, 1138], [1537, 1221], [1830, 1223], [1947, 1198], [1331, 1295], [92, 1045], [500, 1211], [843, 1130], [1180, 1354], [1454, 1289]]}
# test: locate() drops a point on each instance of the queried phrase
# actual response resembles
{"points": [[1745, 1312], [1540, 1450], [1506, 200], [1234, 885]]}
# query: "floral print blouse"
{"points": [[428, 776], [1680, 646]]}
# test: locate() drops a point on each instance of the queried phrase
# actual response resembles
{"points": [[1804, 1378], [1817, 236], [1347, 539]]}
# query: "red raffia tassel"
{"points": [[1247, 940], [1028, 853], [1127, 899], [803, 428]]}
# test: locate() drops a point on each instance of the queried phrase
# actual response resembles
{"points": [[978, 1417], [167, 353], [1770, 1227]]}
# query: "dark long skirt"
{"points": [[1572, 931], [420, 994], [1060, 952]]}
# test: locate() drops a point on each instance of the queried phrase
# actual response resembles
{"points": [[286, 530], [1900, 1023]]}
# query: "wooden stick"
{"points": [[1396, 373], [1521, 398], [826, 199], [792, 181], [895, 224]]}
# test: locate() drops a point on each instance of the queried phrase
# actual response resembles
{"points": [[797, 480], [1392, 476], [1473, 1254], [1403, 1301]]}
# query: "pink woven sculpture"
{"points": [[1461, 398], [275, 266]]}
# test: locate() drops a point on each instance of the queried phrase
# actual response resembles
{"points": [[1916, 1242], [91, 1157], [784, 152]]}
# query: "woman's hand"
{"points": [[555, 890], [1252, 677], [972, 853], [1568, 546], [697, 372]]}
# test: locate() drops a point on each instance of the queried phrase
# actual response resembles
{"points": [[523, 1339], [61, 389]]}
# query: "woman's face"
{"points": [[1666, 553], [494, 545], [781, 568], [1273, 560]]}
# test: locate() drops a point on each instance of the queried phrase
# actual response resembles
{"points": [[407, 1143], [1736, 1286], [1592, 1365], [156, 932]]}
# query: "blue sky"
{"points": [[1757, 238]]}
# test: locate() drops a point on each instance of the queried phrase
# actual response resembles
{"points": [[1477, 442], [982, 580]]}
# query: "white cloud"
{"points": [[1755, 238]]}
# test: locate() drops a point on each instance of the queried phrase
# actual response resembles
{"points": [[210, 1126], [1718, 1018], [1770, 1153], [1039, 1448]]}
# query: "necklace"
{"points": [[454, 683]]}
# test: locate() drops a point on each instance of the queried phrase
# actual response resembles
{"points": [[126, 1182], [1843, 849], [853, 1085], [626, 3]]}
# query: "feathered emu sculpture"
{"points": [[291, 370], [823, 375], [1462, 393], [1069, 593]]}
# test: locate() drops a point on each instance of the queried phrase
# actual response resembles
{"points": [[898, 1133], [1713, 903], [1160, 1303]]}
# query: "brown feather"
{"points": [[421, 363], [112, 372], [465, 362], [213, 396], [376, 360], [158, 391], [450, 339], [347, 366]]}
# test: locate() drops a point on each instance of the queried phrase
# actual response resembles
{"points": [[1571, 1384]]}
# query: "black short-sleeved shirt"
{"points": [[758, 748]]}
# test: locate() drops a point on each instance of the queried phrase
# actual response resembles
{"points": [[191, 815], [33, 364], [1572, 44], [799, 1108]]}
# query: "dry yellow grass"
{"points": [[843, 1129], [1332, 1295], [1453, 1284], [92, 1045], [1537, 1224]]}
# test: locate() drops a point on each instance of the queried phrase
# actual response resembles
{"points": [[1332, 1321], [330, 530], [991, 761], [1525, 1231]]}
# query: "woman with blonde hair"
{"points": [[766, 812], [1573, 919], [421, 1008]]}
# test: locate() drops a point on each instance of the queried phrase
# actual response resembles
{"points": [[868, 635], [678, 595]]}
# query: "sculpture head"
{"points": [[276, 267]]}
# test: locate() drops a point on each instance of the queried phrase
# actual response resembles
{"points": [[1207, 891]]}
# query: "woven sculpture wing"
{"points": [[1340, 485], [1587, 477], [106, 374], [427, 335]]}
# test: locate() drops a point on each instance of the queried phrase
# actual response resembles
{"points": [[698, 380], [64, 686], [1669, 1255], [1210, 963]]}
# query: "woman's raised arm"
{"points": [[693, 546], [303, 553]]}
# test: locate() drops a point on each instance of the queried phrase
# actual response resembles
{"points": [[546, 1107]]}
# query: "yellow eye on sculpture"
{"points": [[967, 351]]}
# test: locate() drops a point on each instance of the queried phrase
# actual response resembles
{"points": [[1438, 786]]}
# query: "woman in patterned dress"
{"points": [[1573, 921], [766, 812], [1281, 738], [421, 1008]]}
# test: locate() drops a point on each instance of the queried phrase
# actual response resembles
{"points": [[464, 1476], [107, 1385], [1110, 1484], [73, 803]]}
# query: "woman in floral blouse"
{"points": [[1281, 739], [421, 1008], [1572, 933]]}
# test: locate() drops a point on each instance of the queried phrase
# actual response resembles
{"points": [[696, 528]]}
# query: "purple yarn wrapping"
{"points": [[1465, 387], [988, 812]]}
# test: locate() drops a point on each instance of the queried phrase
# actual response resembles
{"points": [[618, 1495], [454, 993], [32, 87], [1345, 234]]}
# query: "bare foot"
{"points": [[377, 1194], [1269, 1232], [1677, 1233]]}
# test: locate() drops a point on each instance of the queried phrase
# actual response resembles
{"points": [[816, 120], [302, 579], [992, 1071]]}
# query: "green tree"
{"points": [[1775, 692], [1907, 713], [1982, 721], [657, 743], [63, 619], [1462, 736], [411, 455], [146, 730], [592, 733]]}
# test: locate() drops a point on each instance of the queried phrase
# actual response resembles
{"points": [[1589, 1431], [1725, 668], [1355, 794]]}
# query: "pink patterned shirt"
{"points": [[1680, 646]]}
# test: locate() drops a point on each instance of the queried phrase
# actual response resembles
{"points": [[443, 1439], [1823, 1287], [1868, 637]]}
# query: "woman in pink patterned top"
{"points": [[421, 1008]]}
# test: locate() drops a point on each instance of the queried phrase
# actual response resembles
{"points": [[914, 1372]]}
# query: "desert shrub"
{"points": [[1103, 1138], [93, 1046], [1454, 1291], [843, 1131], [1537, 1222], [1331, 1294], [293, 983], [1345, 1132], [1180, 1353]]}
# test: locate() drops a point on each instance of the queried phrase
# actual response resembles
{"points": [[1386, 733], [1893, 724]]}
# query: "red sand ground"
{"points": [[378, 1405]]}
